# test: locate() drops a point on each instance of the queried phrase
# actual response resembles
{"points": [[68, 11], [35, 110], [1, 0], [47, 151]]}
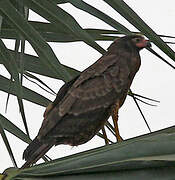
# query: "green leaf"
{"points": [[44, 51], [6, 142], [9, 62], [139, 157], [28, 94], [159, 56], [11, 66], [34, 64], [60, 1], [123, 9], [52, 34], [47, 89], [13, 129], [54, 14], [21, 67], [135, 100], [99, 14]]}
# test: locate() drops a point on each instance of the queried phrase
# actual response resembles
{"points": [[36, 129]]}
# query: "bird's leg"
{"points": [[48, 109], [115, 120], [105, 136]]}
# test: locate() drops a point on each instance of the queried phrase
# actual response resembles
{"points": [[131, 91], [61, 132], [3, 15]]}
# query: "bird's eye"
{"points": [[137, 40]]}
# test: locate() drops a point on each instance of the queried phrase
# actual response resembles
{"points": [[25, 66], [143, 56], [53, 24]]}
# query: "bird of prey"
{"points": [[84, 104]]}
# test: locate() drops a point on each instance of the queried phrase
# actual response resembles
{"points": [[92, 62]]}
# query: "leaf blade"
{"points": [[38, 43], [121, 7], [28, 94]]}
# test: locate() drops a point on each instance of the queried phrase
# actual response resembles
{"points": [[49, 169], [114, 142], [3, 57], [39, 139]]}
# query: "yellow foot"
{"points": [[105, 136], [115, 120], [119, 138]]}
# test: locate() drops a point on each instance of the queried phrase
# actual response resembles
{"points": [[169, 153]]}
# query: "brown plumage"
{"points": [[83, 105]]}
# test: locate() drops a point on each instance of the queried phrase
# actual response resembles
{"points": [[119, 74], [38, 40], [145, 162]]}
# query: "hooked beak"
{"points": [[148, 43], [143, 44]]}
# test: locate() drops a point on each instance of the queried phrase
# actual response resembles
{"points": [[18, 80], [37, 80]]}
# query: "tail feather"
{"points": [[34, 152]]}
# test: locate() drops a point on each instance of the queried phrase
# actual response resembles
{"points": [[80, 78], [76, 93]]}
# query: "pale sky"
{"points": [[155, 80]]}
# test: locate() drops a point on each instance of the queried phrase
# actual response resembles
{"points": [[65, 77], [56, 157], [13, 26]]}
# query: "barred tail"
{"points": [[34, 152]]}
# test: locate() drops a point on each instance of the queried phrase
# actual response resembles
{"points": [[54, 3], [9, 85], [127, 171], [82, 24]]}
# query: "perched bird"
{"points": [[84, 104]]}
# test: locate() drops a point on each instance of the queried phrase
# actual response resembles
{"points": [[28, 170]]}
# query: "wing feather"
{"points": [[98, 86], [96, 69]]}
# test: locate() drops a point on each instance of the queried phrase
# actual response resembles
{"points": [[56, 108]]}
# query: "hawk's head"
{"points": [[137, 41], [130, 43]]}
